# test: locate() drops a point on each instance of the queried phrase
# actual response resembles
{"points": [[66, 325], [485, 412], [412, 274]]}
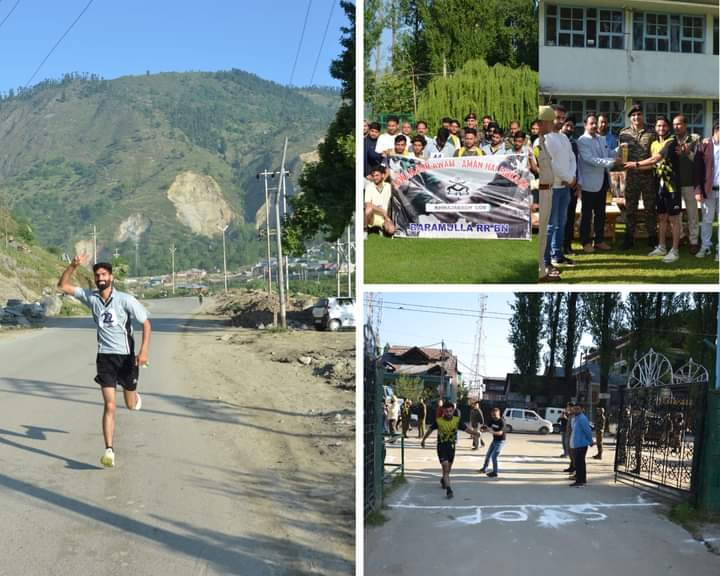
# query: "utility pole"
{"points": [[278, 238], [94, 244], [137, 251], [284, 173], [337, 266], [172, 253], [349, 263], [265, 175], [222, 229]]}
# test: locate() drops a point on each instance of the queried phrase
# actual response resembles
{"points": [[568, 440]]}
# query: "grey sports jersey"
{"points": [[113, 319]]}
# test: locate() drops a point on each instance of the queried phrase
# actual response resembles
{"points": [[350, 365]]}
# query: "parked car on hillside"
{"points": [[520, 420], [334, 313]]}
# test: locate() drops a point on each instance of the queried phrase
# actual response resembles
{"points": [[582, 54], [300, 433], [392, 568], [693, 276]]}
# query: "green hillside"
{"points": [[84, 151]]}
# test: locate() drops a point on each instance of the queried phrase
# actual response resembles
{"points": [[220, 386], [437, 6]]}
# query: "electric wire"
{"points": [[9, 13], [322, 43], [67, 31], [302, 37]]}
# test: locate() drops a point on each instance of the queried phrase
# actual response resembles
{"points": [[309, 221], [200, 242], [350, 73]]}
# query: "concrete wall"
{"points": [[599, 72]]}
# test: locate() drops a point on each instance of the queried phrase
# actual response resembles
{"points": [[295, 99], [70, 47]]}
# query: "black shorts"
{"points": [[114, 369], [670, 204], [446, 451]]}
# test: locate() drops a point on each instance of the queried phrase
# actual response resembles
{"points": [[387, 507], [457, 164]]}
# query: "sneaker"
{"points": [[577, 485], [659, 251], [449, 492], [569, 470], [565, 261], [588, 249], [482, 470], [704, 251], [672, 256], [138, 404], [108, 459], [492, 474]]}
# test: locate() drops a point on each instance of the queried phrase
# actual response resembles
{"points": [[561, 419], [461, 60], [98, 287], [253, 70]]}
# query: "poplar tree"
{"points": [[525, 330]]}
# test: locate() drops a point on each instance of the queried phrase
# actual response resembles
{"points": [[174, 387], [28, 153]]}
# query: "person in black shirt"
{"points": [[447, 426], [372, 158], [562, 425], [496, 425]]}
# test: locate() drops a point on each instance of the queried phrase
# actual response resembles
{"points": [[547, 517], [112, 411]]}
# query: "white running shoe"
{"points": [[704, 251], [672, 256], [108, 459], [659, 251], [138, 404]]}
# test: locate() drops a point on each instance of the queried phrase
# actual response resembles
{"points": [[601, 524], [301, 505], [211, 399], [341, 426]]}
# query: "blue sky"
{"points": [[116, 38], [456, 327]]}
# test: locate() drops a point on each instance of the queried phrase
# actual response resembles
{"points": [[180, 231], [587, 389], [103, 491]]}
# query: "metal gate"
{"points": [[660, 432], [372, 425]]}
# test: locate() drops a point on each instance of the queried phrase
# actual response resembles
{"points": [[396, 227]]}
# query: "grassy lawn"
{"points": [[447, 261]]}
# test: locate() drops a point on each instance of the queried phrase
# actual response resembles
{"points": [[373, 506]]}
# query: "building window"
{"points": [[694, 112], [584, 27], [668, 33], [716, 112], [578, 109]]}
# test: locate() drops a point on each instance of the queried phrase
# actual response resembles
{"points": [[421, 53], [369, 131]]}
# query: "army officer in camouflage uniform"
{"points": [[637, 137]]}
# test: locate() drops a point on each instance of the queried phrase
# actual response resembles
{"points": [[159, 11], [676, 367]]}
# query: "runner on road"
{"points": [[447, 427], [113, 312]]}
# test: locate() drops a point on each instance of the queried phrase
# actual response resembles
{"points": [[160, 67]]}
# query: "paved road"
{"points": [[527, 521], [175, 503]]}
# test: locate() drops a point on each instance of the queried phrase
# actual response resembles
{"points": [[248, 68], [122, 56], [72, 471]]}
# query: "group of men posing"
{"points": [[484, 139], [666, 167], [664, 170]]}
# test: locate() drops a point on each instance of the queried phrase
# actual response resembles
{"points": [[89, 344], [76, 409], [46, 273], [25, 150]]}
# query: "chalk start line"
{"points": [[547, 515]]}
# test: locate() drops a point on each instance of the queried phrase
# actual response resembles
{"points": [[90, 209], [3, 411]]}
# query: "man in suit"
{"points": [[593, 161]]}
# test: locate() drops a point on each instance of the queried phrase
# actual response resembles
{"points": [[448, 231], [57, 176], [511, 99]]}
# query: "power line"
{"points": [[9, 13], [450, 308], [322, 44], [302, 36], [58, 42]]}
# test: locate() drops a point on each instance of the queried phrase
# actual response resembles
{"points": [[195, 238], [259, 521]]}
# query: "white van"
{"points": [[521, 420]]}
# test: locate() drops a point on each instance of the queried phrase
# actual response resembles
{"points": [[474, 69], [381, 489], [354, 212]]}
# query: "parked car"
{"points": [[334, 313], [521, 420]]}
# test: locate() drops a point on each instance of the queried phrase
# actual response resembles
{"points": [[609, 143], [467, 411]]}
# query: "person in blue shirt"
{"points": [[580, 439], [611, 141]]}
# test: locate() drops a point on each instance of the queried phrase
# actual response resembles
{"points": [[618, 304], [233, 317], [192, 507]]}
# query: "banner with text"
{"points": [[468, 197]]}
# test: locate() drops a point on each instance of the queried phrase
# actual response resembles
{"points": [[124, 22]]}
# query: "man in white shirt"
{"points": [[594, 159], [386, 141], [377, 198], [564, 184]]}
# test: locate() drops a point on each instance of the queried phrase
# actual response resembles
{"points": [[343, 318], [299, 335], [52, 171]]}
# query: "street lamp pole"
{"points": [[222, 229]]}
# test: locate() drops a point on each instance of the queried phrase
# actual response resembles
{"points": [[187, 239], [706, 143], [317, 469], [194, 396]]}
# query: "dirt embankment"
{"points": [[255, 309]]}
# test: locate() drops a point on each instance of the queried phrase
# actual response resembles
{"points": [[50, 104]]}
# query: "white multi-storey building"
{"points": [[605, 55]]}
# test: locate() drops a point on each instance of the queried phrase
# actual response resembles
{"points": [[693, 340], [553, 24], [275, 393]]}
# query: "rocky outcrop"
{"points": [[199, 203], [132, 228]]}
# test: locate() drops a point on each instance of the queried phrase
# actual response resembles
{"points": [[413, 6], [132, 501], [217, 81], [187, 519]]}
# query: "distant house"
{"points": [[434, 366], [495, 389]]}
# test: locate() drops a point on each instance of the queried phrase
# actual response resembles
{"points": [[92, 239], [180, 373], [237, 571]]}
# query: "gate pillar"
{"points": [[709, 499]]}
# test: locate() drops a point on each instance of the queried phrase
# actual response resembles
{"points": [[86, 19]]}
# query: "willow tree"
{"points": [[504, 93]]}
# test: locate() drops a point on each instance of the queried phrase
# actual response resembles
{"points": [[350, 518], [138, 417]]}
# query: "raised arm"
{"points": [[64, 284]]}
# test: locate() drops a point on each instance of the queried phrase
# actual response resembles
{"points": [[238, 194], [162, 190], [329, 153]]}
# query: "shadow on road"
{"points": [[198, 408], [69, 462], [257, 555]]}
